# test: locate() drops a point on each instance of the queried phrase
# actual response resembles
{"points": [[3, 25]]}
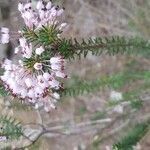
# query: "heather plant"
{"points": [[36, 79]]}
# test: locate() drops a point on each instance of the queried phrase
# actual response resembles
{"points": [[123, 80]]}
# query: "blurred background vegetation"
{"points": [[93, 79]]}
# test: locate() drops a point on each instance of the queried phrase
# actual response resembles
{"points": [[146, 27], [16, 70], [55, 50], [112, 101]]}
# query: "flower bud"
{"points": [[56, 95], [39, 50], [20, 7], [38, 66]]}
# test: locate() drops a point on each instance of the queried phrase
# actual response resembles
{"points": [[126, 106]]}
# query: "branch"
{"points": [[104, 45], [114, 81], [82, 127]]}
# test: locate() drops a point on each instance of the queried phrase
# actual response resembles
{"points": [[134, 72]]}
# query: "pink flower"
{"points": [[62, 26], [26, 49], [39, 50], [60, 12], [28, 82], [47, 76], [38, 66], [44, 14], [49, 5], [60, 74], [56, 60], [35, 78], [20, 7], [40, 5], [56, 95], [16, 50]]}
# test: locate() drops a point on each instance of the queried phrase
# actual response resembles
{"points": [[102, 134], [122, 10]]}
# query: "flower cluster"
{"points": [[46, 14], [34, 78]]}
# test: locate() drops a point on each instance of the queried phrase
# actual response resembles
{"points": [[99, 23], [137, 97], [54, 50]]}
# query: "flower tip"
{"points": [[39, 5], [49, 5], [20, 7], [39, 50], [4, 30], [56, 95], [38, 66]]}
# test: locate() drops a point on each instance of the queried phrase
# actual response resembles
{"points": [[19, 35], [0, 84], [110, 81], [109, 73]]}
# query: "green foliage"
{"points": [[10, 127], [106, 45], [48, 35], [70, 48], [133, 137], [136, 104], [3, 92], [44, 36], [96, 143], [111, 103], [66, 49], [98, 115], [115, 82], [30, 35], [133, 96]]}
